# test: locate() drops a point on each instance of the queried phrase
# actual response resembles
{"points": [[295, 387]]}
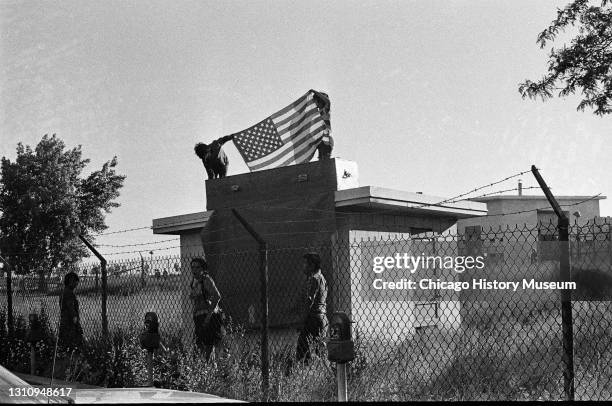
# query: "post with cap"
{"points": [[34, 335], [340, 349], [150, 341]]}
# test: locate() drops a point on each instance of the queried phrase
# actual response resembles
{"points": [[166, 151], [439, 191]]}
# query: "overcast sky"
{"points": [[424, 93]]}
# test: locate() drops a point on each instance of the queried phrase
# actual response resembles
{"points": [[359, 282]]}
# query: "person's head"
{"points": [[201, 149], [199, 267], [71, 280], [312, 263]]}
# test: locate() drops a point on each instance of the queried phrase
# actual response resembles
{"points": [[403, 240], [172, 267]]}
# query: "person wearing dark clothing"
{"points": [[327, 142], [70, 334], [207, 314], [315, 320], [214, 159]]}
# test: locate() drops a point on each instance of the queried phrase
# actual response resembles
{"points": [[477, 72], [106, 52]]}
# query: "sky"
{"points": [[424, 94]]}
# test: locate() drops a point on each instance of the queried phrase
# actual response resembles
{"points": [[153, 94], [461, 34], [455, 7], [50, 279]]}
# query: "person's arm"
{"points": [[214, 296], [225, 139], [313, 289]]}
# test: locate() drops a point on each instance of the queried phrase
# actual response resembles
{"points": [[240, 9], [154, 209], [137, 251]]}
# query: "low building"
{"points": [[523, 214], [518, 210], [317, 206], [188, 227]]}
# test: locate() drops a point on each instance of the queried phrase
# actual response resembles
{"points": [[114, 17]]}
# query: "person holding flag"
{"points": [[290, 136]]}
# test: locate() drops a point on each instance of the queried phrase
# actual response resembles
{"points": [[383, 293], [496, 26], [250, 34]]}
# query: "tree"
{"points": [[586, 64], [45, 204]]}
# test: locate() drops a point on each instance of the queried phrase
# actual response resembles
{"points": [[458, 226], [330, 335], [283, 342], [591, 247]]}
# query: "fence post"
{"points": [[265, 356], [567, 324], [104, 287], [142, 271], [566, 309], [9, 295], [104, 298], [263, 268]]}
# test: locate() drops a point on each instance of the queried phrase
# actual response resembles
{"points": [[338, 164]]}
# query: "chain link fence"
{"points": [[471, 316]]}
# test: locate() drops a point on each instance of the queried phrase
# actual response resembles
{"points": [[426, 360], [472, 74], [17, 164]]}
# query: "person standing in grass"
{"points": [[207, 315], [70, 336], [315, 320]]}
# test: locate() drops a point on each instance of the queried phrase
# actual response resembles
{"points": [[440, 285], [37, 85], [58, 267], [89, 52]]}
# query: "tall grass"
{"points": [[507, 359]]}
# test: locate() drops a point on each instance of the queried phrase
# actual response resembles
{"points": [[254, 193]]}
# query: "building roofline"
{"points": [[383, 198], [179, 224]]}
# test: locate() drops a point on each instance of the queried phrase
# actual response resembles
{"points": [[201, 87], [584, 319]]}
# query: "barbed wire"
{"points": [[499, 192], [331, 231], [261, 204], [220, 241], [541, 208], [606, 221], [337, 212], [136, 245], [123, 231], [483, 187], [314, 232]]}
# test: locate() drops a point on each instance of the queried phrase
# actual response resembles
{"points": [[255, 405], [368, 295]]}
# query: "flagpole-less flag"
{"points": [[289, 136]]}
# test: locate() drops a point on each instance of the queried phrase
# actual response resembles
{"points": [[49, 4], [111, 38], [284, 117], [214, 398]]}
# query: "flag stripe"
{"points": [[299, 155], [292, 106], [283, 151], [282, 121], [303, 152], [306, 127], [309, 115], [307, 154]]}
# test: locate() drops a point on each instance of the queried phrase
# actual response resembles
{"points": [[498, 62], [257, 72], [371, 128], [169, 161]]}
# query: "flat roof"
{"points": [[535, 197], [179, 224], [411, 202]]}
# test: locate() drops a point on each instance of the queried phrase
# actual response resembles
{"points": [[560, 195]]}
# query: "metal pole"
{"points": [[342, 387], [104, 294], [104, 287], [566, 294], [149, 368], [263, 267], [9, 302], [142, 271], [265, 357], [566, 310], [32, 359], [9, 295]]}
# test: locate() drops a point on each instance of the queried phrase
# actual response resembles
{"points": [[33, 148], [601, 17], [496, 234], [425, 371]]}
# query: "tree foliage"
{"points": [[45, 204], [585, 66]]}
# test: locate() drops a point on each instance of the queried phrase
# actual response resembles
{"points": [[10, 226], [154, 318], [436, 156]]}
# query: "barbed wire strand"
{"points": [[262, 202]]}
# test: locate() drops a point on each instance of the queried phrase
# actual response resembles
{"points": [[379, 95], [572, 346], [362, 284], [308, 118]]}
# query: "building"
{"points": [[519, 239], [188, 227], [523, 214], [532, 210], [317, 206]]}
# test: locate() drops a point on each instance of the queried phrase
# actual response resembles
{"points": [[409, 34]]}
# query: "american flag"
{"points": [[288, 137]]}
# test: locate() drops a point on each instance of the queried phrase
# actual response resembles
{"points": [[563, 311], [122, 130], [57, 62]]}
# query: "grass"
{"points": [[503, 351], [124, 312]]}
